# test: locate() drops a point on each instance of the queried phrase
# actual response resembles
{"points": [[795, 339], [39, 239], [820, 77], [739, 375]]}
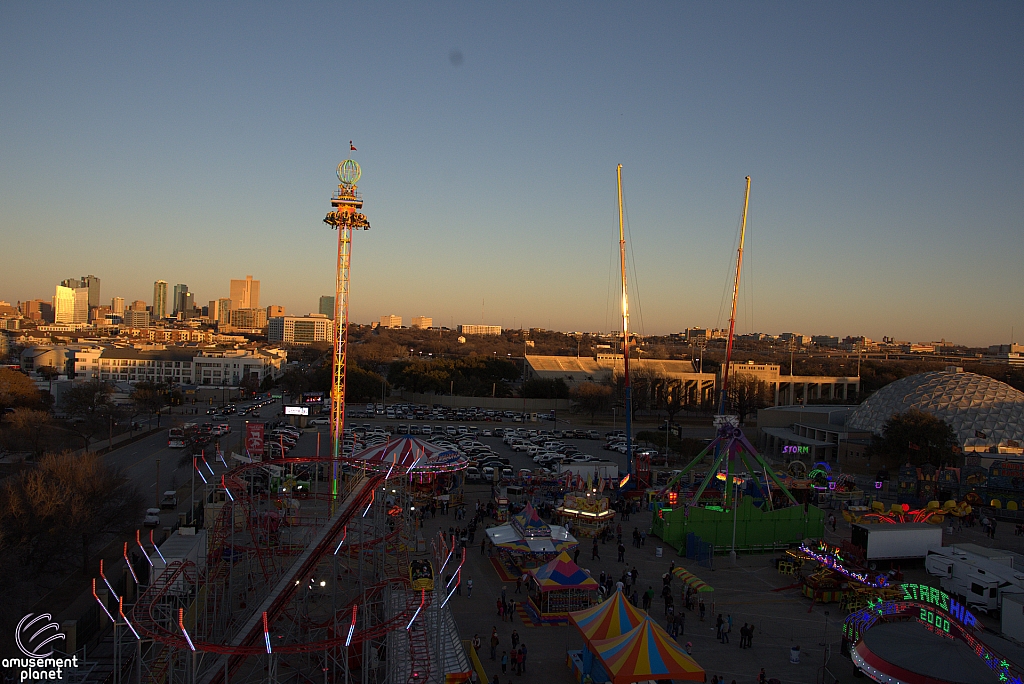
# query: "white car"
{"points": [[152, 518], [320, 421]]}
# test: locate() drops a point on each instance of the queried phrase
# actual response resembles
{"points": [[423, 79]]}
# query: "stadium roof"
{"points": [[984, 412]]}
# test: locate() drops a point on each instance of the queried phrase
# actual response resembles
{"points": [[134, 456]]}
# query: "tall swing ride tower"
{"points": [[345, 217]]}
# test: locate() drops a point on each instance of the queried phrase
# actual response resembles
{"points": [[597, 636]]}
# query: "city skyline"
{"points": [[884, 145]]}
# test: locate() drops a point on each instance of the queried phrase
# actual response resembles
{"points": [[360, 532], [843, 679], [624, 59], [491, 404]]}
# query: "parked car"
{"points": [[152, 518]]}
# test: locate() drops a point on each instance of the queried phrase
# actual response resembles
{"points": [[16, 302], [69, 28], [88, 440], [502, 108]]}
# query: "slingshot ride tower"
{"points": [[345, 217]]}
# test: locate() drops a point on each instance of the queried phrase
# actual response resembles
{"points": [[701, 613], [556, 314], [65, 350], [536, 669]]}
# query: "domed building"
{"points": [[987, 415]]}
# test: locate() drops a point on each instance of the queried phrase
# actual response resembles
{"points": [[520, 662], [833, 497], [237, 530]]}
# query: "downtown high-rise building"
{"points": [[182, 300], [117, 306], [327, 306], [245, 294], [159, 300], [71, 304], [90, 283]]}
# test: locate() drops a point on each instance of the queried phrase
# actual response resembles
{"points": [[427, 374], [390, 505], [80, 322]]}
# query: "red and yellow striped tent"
{"points": [[609, 619], [645, 652]]}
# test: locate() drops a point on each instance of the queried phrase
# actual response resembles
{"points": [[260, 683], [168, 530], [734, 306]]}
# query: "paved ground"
{"points": [[744, 591]]}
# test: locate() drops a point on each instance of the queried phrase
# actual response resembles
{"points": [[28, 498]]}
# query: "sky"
{"points": [[197, 142]]}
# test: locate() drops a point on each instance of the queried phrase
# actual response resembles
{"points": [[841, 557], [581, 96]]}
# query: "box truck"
{"points": [[901, 541]]}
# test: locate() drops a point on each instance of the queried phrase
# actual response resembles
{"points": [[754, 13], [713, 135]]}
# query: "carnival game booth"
{"points": [[436, 474], [558, 588], [589, 514], [693, 583], [527, 542], [623, 645]]}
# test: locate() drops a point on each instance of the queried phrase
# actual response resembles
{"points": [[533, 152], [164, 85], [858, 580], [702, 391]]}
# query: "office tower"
{"points": [[249, 318], [160, 299], [71, 304], [64, 305], [92, 284], [300, 329], [178, 298], [274, 311], [327, 306], [138, 305], [136, 318], [391, 321], [245, 294], [117, 306], [422, 322], [224, 311]]}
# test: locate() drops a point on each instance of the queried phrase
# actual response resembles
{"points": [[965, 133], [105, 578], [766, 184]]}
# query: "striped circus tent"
{"points": [[643, 653], [609, 619]]}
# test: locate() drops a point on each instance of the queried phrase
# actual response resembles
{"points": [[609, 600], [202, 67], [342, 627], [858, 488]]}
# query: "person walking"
{"points": [[648, 597], [502, 593], [522, 660], [594, 553], [702, 609], [726, 628], [576, 555], [718, 627], [476, 642], [622, 553], [504, 662], [469, 587], [519, 583], [750, 636], [515, 639], [494, 642]]}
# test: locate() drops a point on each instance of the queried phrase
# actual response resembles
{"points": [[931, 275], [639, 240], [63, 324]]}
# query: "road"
{"points": [[139, 459]]}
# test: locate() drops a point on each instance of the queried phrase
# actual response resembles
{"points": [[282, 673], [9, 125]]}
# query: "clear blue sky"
{"points": [[197, 142]]}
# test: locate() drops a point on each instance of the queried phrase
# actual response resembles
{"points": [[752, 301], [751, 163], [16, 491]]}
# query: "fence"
{"points": [[699, 550]]}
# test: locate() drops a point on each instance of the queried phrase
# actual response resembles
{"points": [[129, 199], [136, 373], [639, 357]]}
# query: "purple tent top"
{"points": [[562, 573], [528, 523]]}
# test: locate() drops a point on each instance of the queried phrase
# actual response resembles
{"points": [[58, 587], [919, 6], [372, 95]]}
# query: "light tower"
{"points": [[345, 217]]}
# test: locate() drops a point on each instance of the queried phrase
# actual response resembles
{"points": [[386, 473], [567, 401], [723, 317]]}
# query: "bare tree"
{"points": [[747, 393], [591, 397], [64, 508], [29, 424]]}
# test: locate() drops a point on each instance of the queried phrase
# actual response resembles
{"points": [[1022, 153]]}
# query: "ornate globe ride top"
{"points": [[349, 172]]}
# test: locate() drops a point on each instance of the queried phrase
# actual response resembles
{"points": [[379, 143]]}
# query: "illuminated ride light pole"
{"points": [[345, 217]]}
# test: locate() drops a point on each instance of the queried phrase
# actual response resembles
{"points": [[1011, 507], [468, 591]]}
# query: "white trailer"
{"points": [[186, 545], [978, 580], [902, 541], [593, 469]]}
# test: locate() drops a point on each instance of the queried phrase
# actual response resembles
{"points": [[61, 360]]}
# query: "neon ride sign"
{"points": [[939, 612]]}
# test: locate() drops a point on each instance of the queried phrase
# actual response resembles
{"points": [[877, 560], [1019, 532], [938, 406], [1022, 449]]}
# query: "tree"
{"points": [[16, 389], [747, 394], [30, 424], [148, 397], [544, 388], [89, 403], [48, 373], [63, 508], [673, 397], [917, 437], [591, 397]]}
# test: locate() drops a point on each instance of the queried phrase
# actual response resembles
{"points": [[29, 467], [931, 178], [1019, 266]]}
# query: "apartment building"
{"points": [[300, 329]]}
